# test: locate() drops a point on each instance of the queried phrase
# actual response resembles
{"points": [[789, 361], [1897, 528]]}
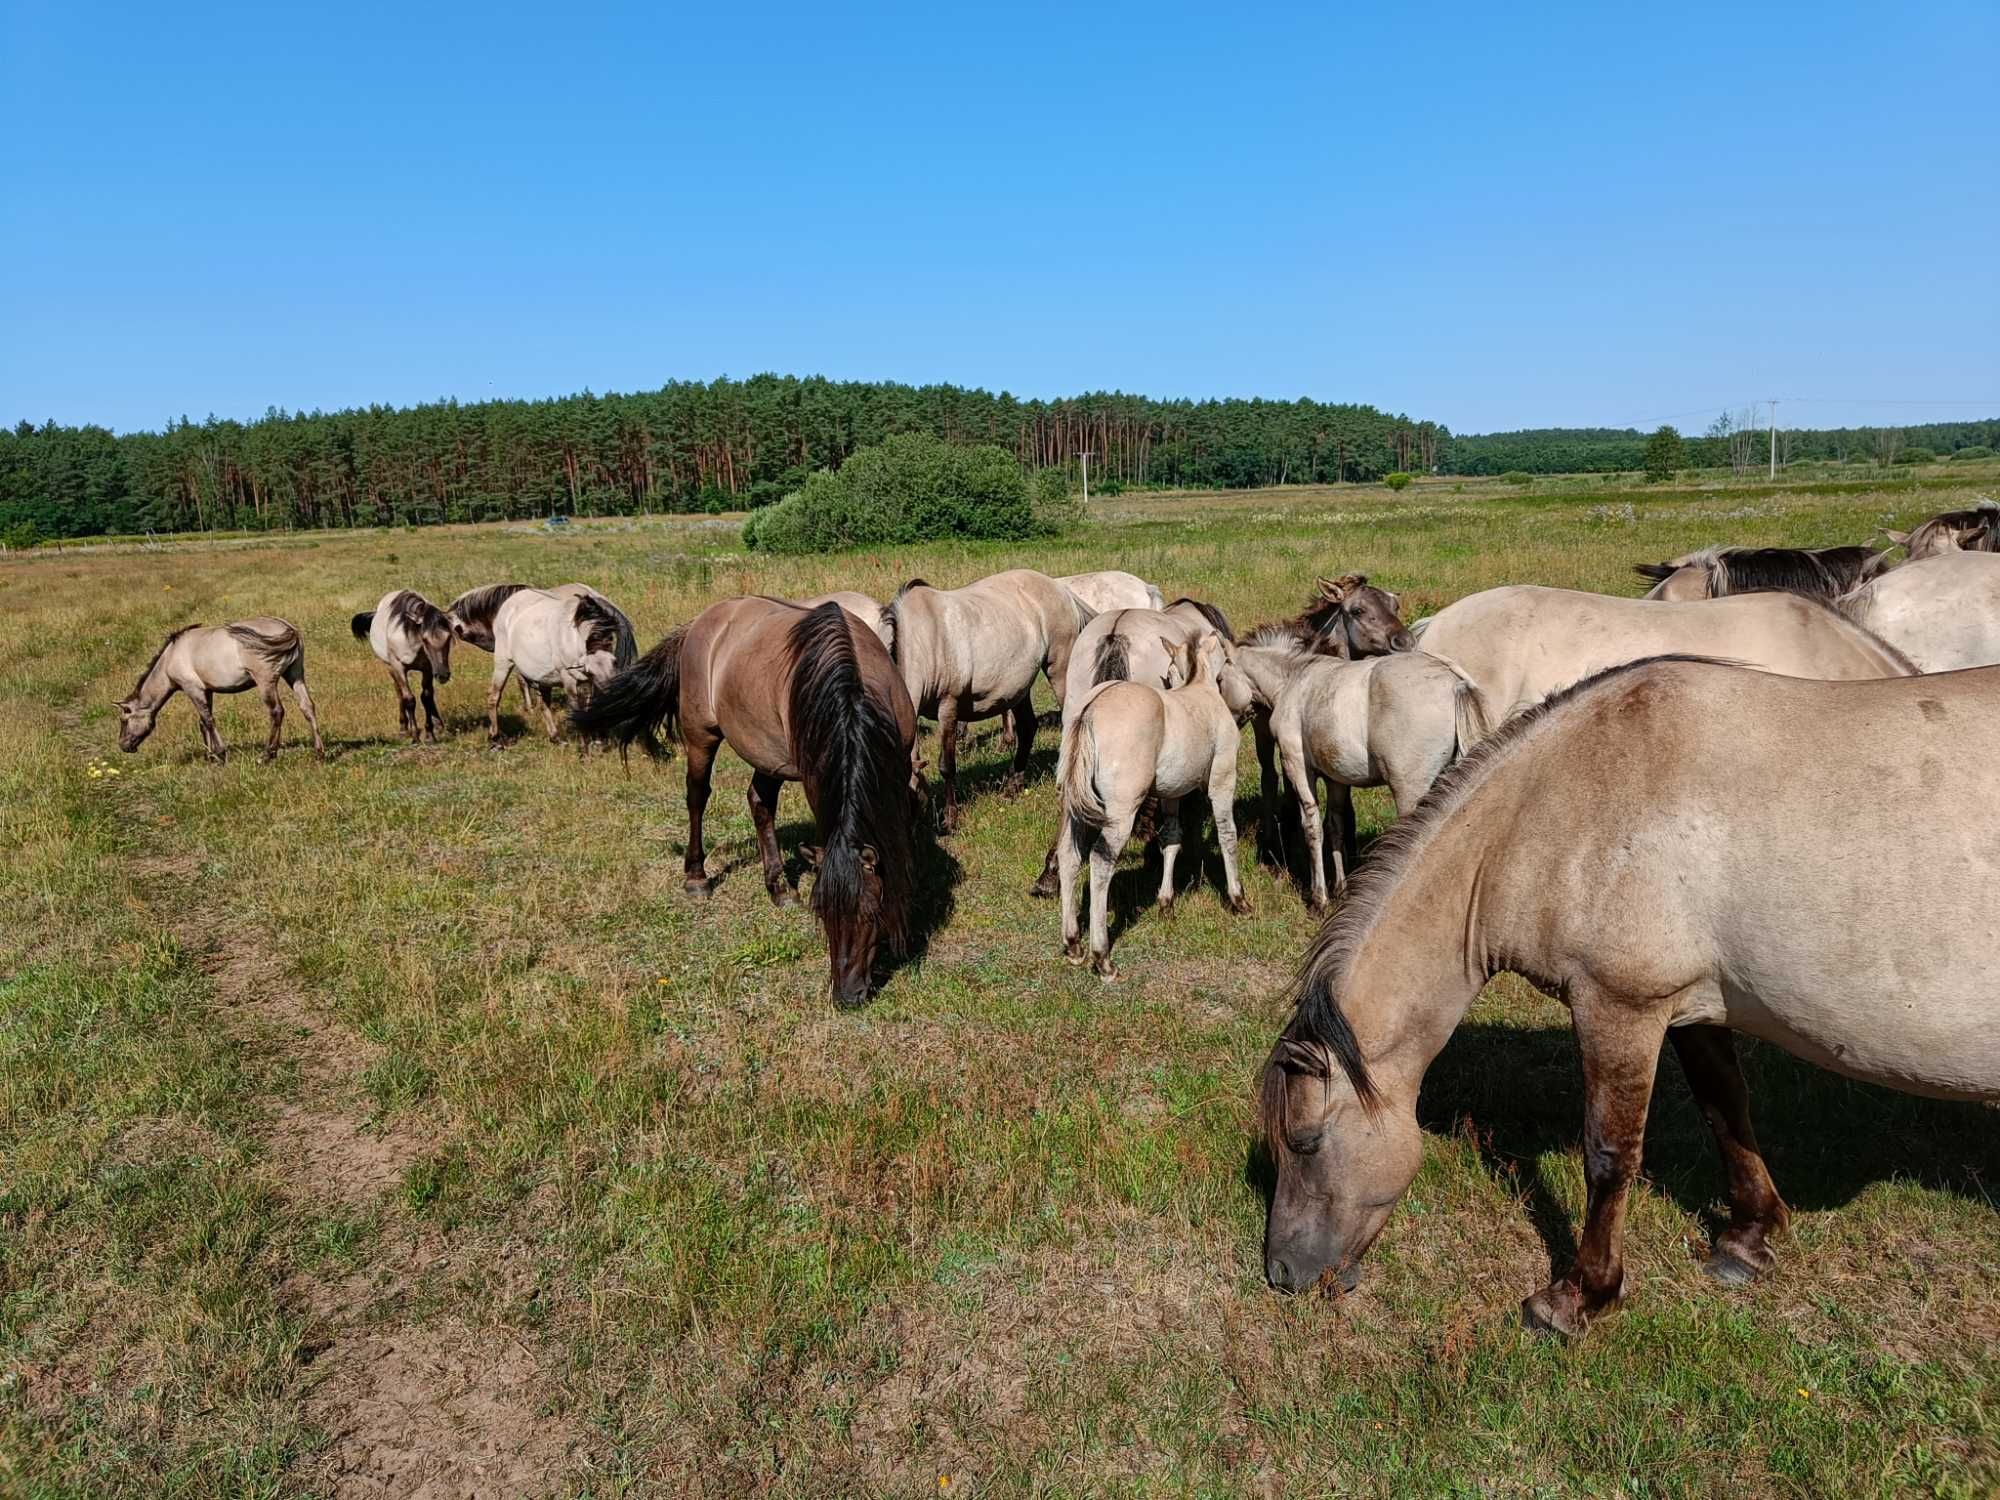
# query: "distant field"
{"points": [[364, 1118]]}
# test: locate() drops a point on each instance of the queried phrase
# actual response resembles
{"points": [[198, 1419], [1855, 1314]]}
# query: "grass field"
{"points": [[397, 1122]]}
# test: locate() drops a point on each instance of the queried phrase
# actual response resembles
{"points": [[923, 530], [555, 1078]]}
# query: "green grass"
{"points": [[424, 1050]]}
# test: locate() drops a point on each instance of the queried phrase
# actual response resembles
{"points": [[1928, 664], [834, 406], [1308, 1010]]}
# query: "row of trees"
{"points": [[1734, 440], [720, 445]]}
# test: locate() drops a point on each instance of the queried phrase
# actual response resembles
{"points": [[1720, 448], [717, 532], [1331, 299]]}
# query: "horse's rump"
{"points": [[273, 642]]}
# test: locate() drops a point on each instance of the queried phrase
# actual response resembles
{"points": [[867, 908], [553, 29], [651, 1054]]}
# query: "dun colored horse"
{"points": [[1717, 572], [471, 615], [803, 695], [202, 660], [1942, 612], [1654, 849], [1111, 589], [409, 634], [1974, 530], [574, 642]]}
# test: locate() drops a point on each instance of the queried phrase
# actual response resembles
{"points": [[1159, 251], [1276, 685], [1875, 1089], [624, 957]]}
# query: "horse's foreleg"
{"points": [[1104, 852], [1756, 1212], [1340, 807], [1022, 716], [701, 761], [1300, 779], [432, 718], [406, 702], [274, 704], [764, 793], [1621, 1052], [304, 697], [549, 713], [1167, 833], [204, 713], [503, 668], [1222, 808], [948, 758]]}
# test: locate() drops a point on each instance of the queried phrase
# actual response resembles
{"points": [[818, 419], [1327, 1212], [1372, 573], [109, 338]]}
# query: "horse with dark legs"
{"points": [[1652, 848], [201, 660], [807, 695], [572, 642], [409, 634]]}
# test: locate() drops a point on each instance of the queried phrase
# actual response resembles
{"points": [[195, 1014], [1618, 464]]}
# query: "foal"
{"points": [[1128, 741], [409, 634], [201, 660]]}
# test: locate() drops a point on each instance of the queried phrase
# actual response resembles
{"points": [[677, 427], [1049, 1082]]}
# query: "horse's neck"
{"points": [[158, 685], [1269, 669]]}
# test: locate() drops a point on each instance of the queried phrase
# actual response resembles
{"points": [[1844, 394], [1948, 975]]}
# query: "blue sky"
{"points": [[1584, 215]]}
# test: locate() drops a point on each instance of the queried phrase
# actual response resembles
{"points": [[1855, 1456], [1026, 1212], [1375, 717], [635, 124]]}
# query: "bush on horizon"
{"points": [[1397, 480], [911, 488]]}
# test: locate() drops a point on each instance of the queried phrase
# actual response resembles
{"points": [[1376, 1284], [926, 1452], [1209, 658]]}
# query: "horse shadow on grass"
{"points": [[1516, 1093]]}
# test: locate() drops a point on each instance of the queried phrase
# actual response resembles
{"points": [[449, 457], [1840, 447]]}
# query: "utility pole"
{"points": [[1085, 456], [1774, 438]]}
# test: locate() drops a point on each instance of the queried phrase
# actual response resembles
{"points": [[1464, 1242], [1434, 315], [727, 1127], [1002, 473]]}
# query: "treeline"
{"points": [[726, 444], [1599, 450]]}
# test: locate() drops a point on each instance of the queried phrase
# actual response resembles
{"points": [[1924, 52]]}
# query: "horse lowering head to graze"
{"points": [[201, 660], [1973, 530], [801, 695], [574, 641], [1111, 589], [973, 653], [410, 634], [1718, 572], [1653, 849]]}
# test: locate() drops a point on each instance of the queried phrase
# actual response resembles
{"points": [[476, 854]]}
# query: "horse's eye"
{"points": [[1303, 1144]]}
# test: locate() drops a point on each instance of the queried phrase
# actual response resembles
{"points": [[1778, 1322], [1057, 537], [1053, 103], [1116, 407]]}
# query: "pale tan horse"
{"points": [[575, 642], [1973, 530], [1111, 589], [409, 634], [1128, 741], [1522, 642], [1718, 572], [1396, 721], [1942, 612], [863, 607], [263, 652], [471, 616], [1655, 849], [972, 653]]}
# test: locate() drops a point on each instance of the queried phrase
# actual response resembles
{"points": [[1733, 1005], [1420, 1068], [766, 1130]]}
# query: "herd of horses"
{"points": [[1653, 809]]}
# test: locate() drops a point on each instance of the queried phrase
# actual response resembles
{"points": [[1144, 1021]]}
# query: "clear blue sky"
{"points": [[1597, 214]]}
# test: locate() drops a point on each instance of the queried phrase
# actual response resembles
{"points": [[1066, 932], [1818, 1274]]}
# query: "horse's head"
{"points": [[436, 637], [857, 909], [1677, 582], [1358, 618], [473, 632], [1343, 1158], [135, 722]]}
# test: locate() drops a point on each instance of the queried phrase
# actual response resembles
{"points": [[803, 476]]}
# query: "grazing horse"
{"points": [[972, 653], [1522, 642], [1128, 741], [201, 660], [409, 634], [1718, 572], [1396, 721], [803, 695], [1111, 589], [1654, 849], [1943, 612], [471, 615], [575, 642], [1974, 530]]}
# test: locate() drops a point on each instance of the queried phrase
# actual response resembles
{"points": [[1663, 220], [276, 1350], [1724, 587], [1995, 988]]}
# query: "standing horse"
{"points": [[574, 642], [1943, 612], [1126, 742], [1522, 642], [1654, 849], [972, 653], [1717, 572], [803, 695], [471, 616], [1111, 589], [1974, 530], [202, 660], [409, 634]]}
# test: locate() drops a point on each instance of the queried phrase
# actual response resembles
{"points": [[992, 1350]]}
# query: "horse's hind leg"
{"points": [[701, 761], [764, 793], [1110, 843], [948, 759], [1340, 808], [297, 679], [1022, 716], [1222, 808], [1068, 853], [1708, 1058], [1168, 833], [274, 703], [1270, 817]]}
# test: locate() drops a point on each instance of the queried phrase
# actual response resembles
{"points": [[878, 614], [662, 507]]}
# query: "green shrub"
{"points": [[1664, 454], [1919, 456], [1057, 506], [1515, 476], [912, 488], [1397, 481], [20, 536], [1977, 450]]}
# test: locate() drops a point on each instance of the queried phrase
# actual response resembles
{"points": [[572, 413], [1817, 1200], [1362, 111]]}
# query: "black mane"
{"points": [[1209, 613], [416, 612], [599, 623], [480, 605]]}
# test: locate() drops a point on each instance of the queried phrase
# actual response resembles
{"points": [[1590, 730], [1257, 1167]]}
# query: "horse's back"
{"points": [[1943, 612]]}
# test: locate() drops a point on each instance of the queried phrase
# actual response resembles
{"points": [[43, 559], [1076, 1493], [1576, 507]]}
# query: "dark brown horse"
{"points": [[806, 695]]}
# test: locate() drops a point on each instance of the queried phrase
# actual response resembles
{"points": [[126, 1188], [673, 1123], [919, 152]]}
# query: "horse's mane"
{"points": [[415, 611], [599, 623], [850, 754], [1209, 613], [1816, 572], [1982, 519], [1114, 656], [172, 636], [481, 604], [1317, 1021]]}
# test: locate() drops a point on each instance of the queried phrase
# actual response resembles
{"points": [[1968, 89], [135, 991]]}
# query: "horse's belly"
{"points": [[1935, 1040]]}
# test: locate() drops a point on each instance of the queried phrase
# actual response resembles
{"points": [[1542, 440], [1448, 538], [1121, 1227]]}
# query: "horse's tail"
{"points": [[361, 624], [1472, 715], [1155, 599], [849, 750], [1083, 804], [640, 701], [1113, 662]]}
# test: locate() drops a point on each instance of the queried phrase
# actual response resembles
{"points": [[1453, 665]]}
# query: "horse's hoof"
{"points": [[1730, 1270], [1045, 889], [698, 887], [267, 757], [1556, 1309], [1012, 786], [784, 900], [1164, 907], [1240, 905], [1319, 907], [1073, 952], [1106, 970]]}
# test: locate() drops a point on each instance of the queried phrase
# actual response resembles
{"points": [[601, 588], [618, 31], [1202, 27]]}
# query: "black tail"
{"points": [[851, 756], [360, 624], [640, 701], [1114, 658]]}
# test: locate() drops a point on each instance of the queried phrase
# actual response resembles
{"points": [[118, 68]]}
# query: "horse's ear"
{"points": [[1354, 582], [869, 858], [1658, 572], [1897, 538]]}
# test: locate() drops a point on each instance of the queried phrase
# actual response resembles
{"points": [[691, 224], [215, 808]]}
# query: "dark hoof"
{"points": [[1240, 905], [1730, 1270], [1105, 969], [1045, 889], [267, 757], [1556, 1309], [699, 887], [1012, 786], [1073, 952]]}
